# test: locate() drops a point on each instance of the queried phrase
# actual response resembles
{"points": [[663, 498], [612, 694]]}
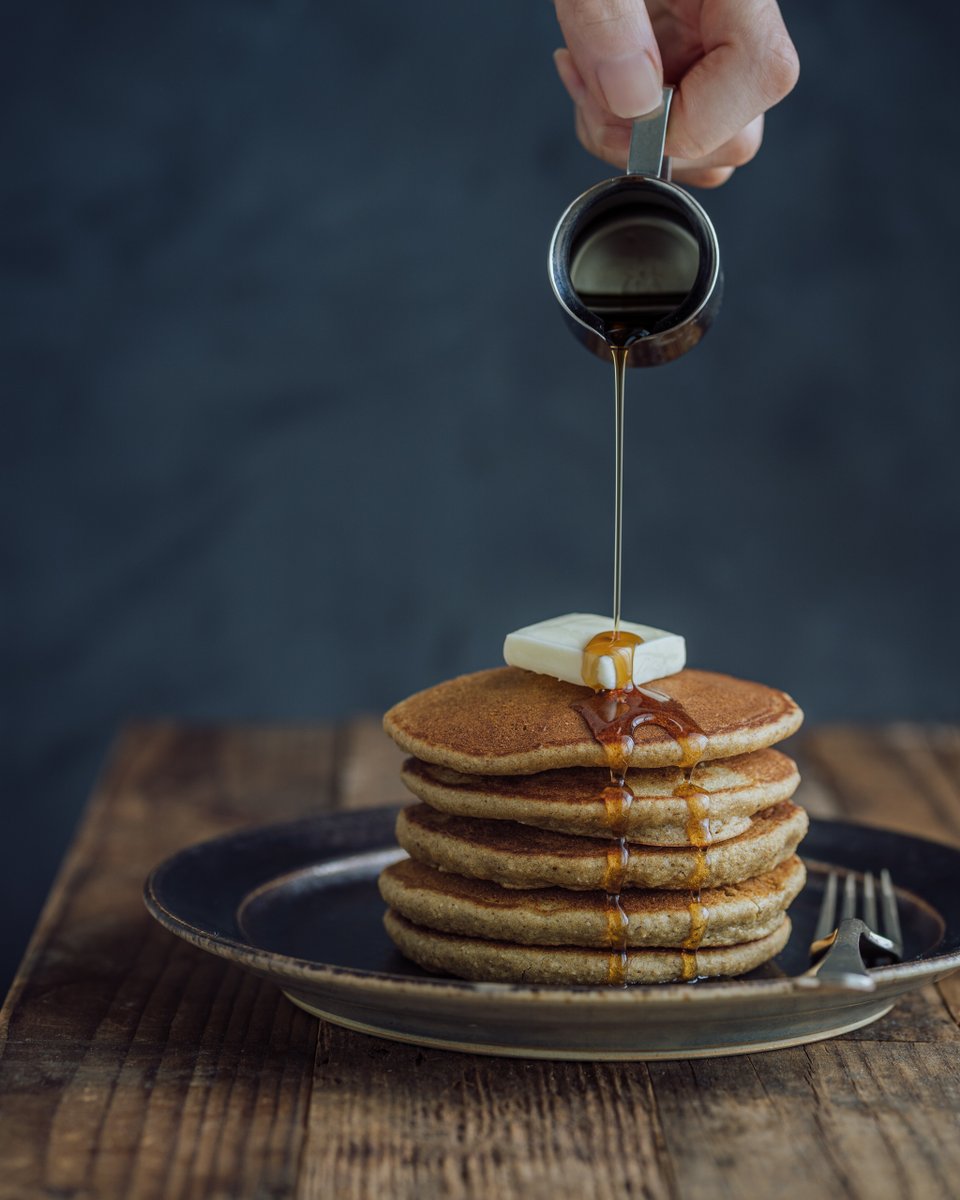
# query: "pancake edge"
{"points": [[552, 917], [502, 962], [670, 867]]}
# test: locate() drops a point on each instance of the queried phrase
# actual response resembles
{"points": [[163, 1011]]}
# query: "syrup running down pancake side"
{"points": [[613, 715], [699, 835]]}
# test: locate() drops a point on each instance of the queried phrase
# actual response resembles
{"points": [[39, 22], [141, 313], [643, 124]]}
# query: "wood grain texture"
{"points": [[133, 1066]]}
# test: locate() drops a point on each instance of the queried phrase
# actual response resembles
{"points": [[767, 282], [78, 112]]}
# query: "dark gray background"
{"points": [[292, 426]]}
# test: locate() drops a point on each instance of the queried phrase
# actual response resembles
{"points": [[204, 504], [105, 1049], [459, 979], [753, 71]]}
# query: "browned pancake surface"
{"points": [[507, 721]]}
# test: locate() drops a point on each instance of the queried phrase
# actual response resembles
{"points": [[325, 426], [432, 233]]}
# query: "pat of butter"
{"points": [[555, 647]]}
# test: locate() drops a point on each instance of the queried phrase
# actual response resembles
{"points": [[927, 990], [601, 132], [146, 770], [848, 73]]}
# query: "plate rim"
{"points": [[290, 968], [566, 1054]]}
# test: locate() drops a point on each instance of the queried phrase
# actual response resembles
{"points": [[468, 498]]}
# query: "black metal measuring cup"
{"points": [[635, 261]]}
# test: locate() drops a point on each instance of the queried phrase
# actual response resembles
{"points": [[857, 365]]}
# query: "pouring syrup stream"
{"points": [[613, 716]]}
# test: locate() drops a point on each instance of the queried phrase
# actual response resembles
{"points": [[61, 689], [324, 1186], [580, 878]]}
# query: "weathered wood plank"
{"points": [[831, 1119], [398, 1121], [890, 777], [369, 767], [818, 800], [132, 1064], [917, 1017]]}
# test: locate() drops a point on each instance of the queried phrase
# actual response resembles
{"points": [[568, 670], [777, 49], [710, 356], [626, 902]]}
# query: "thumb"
{"points": [[613, 47]]}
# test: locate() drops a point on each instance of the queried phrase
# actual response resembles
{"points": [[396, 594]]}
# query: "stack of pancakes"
{"points": [[526, 865]]}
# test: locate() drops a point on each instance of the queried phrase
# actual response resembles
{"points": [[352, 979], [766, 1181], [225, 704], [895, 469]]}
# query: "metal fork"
{"points": [[838, 946]]}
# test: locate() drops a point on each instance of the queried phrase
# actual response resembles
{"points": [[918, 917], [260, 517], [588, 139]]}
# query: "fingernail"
{"points": [[631, 86]]}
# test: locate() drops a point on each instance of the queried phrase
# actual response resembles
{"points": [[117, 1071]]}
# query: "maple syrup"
{"points": [[619, 353], [699, 835], [618, 923], [614, 715], [699, 917], [617, 800], [617, 645], [698, 809]]}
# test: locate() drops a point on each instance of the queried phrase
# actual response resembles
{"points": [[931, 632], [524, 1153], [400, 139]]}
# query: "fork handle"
{"points": [[842, 965]]}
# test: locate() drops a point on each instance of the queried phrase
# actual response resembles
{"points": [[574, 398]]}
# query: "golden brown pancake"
{"points": [[571, 801], [520, 856], [449, 903], [506, 962], [512, 722]]}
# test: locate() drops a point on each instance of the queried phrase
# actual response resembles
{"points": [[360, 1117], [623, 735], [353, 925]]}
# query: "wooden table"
{"points": [[134, 1066]]}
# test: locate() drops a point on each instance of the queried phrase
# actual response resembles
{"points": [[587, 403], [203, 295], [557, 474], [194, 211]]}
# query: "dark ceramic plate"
{"points": [[298, 904]]}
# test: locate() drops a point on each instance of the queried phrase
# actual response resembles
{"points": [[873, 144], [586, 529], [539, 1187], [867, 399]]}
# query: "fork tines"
{"points": [[884, 922]]}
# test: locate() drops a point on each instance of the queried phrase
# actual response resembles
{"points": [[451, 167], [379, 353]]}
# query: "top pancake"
{"points": [[512, 722]]}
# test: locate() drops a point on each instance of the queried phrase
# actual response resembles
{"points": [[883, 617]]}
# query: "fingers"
{"points": [[616, 53], [717, 167], [600, 133], [608, 137], [749, 64], [608, 149], [703, 177], [736, 152], [613, 72]]}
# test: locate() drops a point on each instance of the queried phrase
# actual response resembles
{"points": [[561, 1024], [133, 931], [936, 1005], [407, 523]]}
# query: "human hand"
{"points": [[729, 60]]}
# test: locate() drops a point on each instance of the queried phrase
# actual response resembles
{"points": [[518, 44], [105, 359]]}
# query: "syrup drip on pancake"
{"points": [[613, 717], [617, 801], [618, 923], [699, 917], [698, 829], [699, 835]]}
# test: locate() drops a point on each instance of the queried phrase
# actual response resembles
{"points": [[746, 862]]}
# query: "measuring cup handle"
{"points": [[647, 141]]}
